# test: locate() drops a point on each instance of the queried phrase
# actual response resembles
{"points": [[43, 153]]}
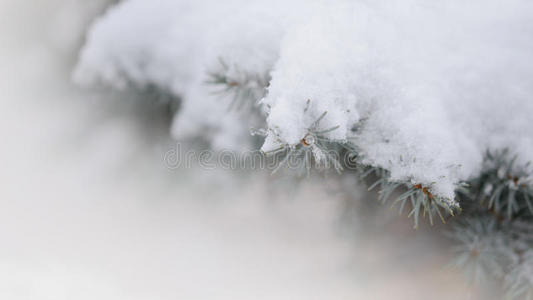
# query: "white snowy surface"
{"points": [[89, 211], [431, 85], [174, 45]]}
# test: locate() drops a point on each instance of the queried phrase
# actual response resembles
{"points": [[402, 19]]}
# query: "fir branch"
{"points": [[243, 88], [504, 187], [315, 148], [482, 249], [422, 202]]}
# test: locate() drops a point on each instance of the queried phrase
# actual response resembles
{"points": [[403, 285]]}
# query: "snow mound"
{"points": [[422, 88]]}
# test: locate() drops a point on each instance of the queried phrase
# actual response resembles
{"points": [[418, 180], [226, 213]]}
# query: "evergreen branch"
{"points": [[421, 200], [482, 248], [245, 89], [503, 187]]}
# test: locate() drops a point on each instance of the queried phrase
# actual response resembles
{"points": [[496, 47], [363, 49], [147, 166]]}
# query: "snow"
{"points": [[173, 45], [429, 85]]}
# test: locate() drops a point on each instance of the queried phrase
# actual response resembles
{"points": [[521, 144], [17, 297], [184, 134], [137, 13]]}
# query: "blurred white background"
{"points": [[89, 211]]}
